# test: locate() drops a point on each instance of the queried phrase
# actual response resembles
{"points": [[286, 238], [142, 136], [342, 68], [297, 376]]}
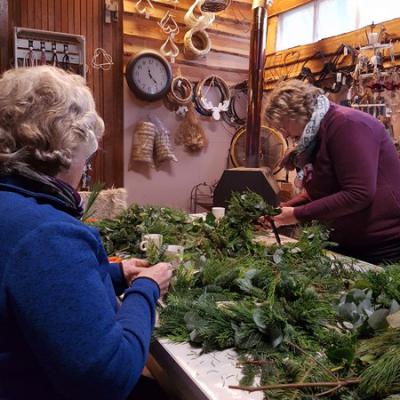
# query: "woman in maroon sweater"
{"points": [[349, 168]]}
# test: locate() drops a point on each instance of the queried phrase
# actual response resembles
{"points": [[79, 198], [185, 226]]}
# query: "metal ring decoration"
{"points": [[181, 90], [196, 44], [239, 140], [230, 116], [204, 106], [214, 6]]}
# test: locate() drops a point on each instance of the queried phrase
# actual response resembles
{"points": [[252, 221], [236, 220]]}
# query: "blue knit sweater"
{"points": [[62, 335]]}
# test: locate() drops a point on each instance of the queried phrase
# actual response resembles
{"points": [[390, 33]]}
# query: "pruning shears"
{"points": [[273, 227], [274, 230]]}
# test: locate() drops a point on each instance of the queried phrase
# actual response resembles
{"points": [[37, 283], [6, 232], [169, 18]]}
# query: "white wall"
{"points": [[171, 184]]}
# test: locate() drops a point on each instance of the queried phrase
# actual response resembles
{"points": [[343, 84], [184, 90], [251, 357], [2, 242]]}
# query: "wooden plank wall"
{"points": [[229, 34], [85, 17]]}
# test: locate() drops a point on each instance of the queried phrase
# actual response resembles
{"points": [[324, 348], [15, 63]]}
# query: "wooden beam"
{"points": [[271, 34], [227, 27], [219, 43], [238, 13], [281, 6], [213, 60]]}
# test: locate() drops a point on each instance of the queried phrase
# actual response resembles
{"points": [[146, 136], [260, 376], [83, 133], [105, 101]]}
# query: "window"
{"points": [[320, 19], [294, 27], [334, 17], [372, 10]]}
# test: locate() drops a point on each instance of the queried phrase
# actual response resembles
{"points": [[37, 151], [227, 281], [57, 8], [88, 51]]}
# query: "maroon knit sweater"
{"points": [[355, 186]]}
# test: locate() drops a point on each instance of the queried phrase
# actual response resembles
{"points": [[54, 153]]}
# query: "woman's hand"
{"points": [[161, 273], [132, 267], [286, 217]]}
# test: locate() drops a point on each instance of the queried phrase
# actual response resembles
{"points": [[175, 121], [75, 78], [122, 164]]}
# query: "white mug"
{"points": [[218, 212], [174, 254], [152, 238], [174, 249]]}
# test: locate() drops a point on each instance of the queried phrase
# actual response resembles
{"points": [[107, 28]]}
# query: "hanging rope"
{"points": [[100, 53]]}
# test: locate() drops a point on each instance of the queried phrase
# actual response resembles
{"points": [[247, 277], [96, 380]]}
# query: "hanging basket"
{"points": [[215, 6], [196, 44]]}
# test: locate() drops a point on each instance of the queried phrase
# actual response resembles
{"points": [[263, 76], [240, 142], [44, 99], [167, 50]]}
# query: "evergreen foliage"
{"points": [[304, 314]]}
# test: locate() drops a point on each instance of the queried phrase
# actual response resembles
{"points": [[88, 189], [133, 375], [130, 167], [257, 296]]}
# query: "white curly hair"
{"points": [[47, 120]]}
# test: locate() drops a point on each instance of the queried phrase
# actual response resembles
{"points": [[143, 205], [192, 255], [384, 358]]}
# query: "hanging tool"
{"points": [[43, 60], [65, 60], [30, 60], [54, 59], [111, 11]]}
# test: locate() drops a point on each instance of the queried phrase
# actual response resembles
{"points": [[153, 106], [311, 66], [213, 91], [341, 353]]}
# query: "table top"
{"points": [[200, 376], [195, 376]]}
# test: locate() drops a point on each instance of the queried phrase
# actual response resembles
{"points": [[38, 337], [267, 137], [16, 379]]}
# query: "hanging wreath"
{"points": [[204, 105]]}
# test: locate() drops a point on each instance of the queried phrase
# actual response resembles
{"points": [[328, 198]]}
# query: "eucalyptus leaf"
{"points": [[276, 336], [348, 312], [277, 257], [377, 320], [394, 307], [259, 320]]}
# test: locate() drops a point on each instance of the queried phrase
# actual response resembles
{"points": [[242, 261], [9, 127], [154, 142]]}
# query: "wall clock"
{"points": [[149, 75]]}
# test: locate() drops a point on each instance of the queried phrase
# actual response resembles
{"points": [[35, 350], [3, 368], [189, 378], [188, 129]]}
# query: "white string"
{"points": [[107, 60]]}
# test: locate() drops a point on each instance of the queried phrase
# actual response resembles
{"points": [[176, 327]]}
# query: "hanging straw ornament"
{"points": [[169, 48], [179, 96], [169, 26], [196, 42], [162, 144], [190, 133], [143, 143], [143, 8], [198, 22]]}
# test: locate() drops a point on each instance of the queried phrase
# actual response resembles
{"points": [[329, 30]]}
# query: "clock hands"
{"points": [[151, 77]]}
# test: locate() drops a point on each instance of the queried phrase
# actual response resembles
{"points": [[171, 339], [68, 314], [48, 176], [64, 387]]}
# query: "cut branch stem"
{"points": [[306, 385]]}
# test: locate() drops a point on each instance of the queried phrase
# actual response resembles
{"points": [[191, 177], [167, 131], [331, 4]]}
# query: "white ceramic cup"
{"points": [[174, 250], [218, 212], [152, 238]]}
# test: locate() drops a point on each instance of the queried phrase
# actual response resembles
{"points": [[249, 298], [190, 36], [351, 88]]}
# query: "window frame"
{"points": [[316, 4]]}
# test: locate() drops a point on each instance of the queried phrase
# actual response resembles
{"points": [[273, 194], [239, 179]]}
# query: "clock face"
{"points": [[150, 75]]}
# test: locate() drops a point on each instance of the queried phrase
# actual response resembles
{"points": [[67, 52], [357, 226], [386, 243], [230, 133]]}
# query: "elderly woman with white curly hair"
{"points": [[62, 334]]}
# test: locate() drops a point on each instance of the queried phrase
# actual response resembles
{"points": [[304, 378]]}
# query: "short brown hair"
{"points": [[293, 99]]}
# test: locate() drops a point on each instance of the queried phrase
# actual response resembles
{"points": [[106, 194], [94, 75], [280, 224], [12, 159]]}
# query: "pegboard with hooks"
{"points": [[34, 47]]}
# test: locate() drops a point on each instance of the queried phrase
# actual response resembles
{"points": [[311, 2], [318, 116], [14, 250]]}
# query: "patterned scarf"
{"points": [[70, 198], [300, 157]]}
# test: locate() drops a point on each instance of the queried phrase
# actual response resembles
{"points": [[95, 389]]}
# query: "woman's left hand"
{"points": [[132, 267], [286, 217]]}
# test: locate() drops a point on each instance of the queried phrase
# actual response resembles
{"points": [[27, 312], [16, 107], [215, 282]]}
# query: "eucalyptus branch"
{"points": [[307, 385]]}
